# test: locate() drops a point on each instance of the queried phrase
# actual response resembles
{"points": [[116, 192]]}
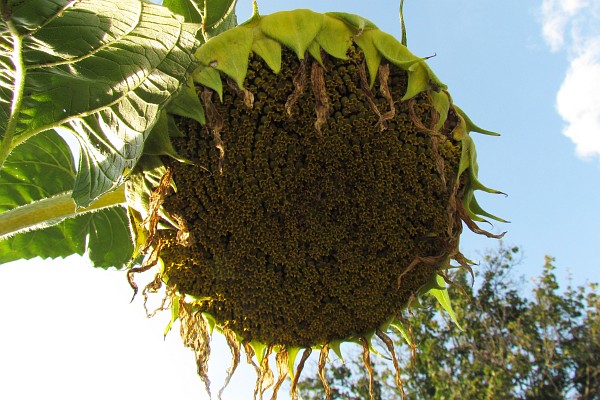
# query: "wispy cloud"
{"points": [[556, 16], [573, 26]]}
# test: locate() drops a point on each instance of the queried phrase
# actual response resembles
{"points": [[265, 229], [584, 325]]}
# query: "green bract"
{"points": [[318, 181]]}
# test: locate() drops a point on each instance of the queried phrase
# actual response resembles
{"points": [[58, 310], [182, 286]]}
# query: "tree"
{"points": [[514, 345]]}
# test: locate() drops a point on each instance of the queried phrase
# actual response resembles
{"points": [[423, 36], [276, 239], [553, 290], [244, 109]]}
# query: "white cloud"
{"points": [[556, 15], [578, 100], [574, 26]]}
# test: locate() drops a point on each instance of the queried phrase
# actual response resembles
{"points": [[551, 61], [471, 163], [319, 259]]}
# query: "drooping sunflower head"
{"points": [[321, 181]]}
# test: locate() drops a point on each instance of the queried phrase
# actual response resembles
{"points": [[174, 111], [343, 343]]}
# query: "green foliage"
{"points": [[102, 72], [543, 344], [99, 70], [104, 236], [43, 168], [212, 14]]}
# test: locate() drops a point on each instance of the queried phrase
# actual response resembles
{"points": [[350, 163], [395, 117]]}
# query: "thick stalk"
{"points": [[46, 212], [19, 77]]}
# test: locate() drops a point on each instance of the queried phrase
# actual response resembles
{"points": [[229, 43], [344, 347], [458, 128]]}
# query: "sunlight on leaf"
{"points": [[43, 167], [100, 70], [216, 16], [103, 235]]}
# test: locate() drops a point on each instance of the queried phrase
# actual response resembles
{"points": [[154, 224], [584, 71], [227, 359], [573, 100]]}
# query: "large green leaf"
{"points": [[103, 235], [99, 69], [39, 168], [43, 167], [217, 11], [215, 15], [190, 10]]}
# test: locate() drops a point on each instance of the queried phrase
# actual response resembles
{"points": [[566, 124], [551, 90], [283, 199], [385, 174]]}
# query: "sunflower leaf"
{"points": [[190, 10], [103, 235], [100, 70], [41, 168], [215, 15]]}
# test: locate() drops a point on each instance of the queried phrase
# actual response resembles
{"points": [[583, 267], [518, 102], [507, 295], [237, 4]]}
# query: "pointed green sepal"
{"points": [[188, 298], [158, 142], [210, 320], [210, 78], [335, 37], [253, 20], [477, 209], [477, 185], [295, 29], [369, 338], [335, 345], [441, 102], [372, 55], [315, 51], [444, 299], [460, 130], [174, 314], [228, 54], [471, 127], [394, 51], [465, 157], [187, 104], [466, 201], [418, 81], [469, 161], [292, 354], [432, 283], [259, 350], [403, 329], [386, 325], [415, 304], [174, 130], [269, 50]]}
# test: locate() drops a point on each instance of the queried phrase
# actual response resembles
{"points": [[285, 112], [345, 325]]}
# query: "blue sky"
{"points": [[527, 69]]}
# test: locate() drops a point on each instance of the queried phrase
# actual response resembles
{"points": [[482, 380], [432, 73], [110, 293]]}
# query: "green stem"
{"points": [[46, 212], [402, 26], [15, 109]]}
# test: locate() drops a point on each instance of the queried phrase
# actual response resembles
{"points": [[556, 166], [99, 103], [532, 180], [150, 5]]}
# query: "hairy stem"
{"points": [[50, 211], [15, 108], [402, 26]]}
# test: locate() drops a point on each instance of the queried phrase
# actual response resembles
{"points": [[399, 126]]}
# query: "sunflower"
{"points": [[314, 185]]}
